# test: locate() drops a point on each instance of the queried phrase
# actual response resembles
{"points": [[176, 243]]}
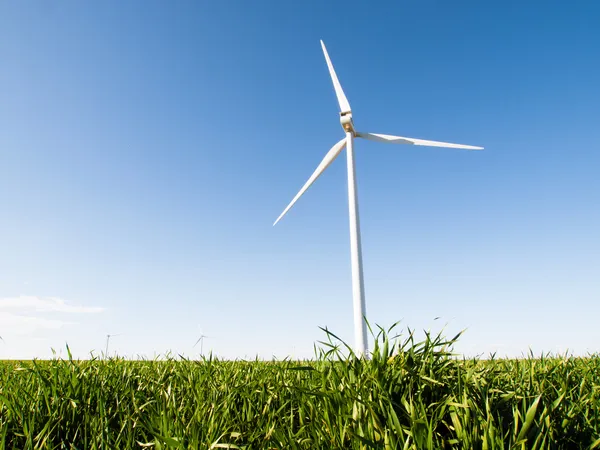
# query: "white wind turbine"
{"points": [[201, 341], [108, 336], [358, 292]]}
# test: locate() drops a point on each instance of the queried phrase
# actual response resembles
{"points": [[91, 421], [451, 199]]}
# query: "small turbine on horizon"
{"points": [[108, 336], [201, 341], [358, 293]]}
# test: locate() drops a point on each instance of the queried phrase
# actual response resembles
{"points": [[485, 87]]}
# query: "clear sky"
{"points": [[147, 147]]}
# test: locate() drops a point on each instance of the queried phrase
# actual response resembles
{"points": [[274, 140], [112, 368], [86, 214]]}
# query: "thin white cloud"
{"points": [[17, 324], [26, 303]]}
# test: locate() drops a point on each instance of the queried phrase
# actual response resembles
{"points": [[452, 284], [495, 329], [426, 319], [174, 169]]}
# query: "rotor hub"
{"points": [[346, 122]]}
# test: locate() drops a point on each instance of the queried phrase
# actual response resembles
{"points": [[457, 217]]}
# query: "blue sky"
{"points": [[146, 149]]}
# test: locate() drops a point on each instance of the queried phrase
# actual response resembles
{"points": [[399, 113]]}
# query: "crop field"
{"points": [[409, 395]]}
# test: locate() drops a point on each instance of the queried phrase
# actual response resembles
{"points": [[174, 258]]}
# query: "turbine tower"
{"points": [[358, 290]]}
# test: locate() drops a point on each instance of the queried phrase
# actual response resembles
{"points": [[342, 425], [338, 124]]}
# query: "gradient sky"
{"points": [[147, 147]]}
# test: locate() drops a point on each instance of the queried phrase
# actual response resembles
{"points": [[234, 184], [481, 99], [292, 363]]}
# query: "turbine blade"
{"points": [[329, 158], [412, 141], [341, 97]]}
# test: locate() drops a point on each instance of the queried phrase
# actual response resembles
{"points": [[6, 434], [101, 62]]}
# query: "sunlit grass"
{"points": [[409, 395]]}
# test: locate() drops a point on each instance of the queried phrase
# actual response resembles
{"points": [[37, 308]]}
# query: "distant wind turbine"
{"points": [[358, 293], [201, 341], [108, 336]]}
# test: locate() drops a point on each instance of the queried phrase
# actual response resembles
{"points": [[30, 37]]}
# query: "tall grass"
{"points": [[409, 395]]}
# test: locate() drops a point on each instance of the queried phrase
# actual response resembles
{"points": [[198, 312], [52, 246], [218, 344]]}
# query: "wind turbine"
{"points": [[108, 336], [201, 340], [358, 290]]}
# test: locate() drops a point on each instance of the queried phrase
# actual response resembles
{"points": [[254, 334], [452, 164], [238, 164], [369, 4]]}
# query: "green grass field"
{"points": [[410, 395]]}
